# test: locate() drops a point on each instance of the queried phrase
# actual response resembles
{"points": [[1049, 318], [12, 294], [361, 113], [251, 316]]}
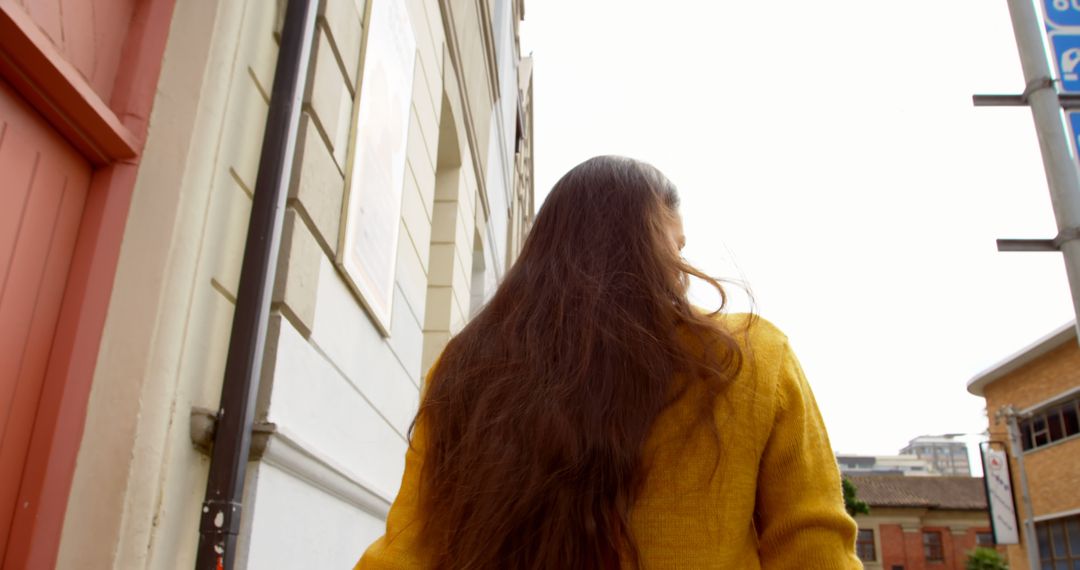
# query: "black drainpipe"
{"points": [[220, 523]]}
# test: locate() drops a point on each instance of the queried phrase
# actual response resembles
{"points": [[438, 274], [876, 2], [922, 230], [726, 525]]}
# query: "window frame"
{"points": [[1039, 428], [1045, 532], [862, 542], [929, 548]]}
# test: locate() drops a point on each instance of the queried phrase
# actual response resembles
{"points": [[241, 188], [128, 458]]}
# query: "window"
{"points": [[932, 550], [984, 539], [1059, 542], [1052, 424], [864, 545]]}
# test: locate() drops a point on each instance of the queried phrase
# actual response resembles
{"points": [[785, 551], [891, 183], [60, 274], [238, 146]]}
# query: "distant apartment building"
{"points": [[945, 454], [909, 465], [1040, 387], [920, 523]]}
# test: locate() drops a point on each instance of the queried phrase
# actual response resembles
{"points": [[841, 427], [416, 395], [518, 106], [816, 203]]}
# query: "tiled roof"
{"points": [[953, 493]]}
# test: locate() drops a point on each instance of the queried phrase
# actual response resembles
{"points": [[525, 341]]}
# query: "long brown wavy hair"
{"points": [[536, 413]]}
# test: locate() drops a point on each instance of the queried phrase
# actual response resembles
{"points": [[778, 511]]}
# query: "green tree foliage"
{"points": [[983, 558], [851, 500]]}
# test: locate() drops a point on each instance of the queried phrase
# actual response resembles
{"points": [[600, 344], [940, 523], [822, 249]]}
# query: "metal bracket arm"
{"points": [[1017, 100], [1055, 244]]}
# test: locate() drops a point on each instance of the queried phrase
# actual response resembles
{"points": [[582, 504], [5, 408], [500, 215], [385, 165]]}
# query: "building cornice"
{"points": [[1024, 356], [285, 452]]}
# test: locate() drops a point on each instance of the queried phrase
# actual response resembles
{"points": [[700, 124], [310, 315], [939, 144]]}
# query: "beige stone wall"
{"points": [[138, 481], [1053, 471], [341, 393]]}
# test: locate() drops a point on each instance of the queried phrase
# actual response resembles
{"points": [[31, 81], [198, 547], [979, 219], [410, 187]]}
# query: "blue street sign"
{"points": [[1066, 48], [1062, 12], [1073, 120]]}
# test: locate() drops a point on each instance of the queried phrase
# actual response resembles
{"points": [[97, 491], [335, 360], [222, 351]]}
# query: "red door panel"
{"points": [[43, 185]]}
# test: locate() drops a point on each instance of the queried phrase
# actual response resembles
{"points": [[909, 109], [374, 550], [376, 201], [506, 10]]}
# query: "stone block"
{"points": [[424, 101], [241, 144], [341, 20], [406, 337], [434, 343], [296, 282], [417, 152], [226, 233], [438, 308], [444, 222], [461, 278], [446, 185], [457, 315], [329, 99], [441, 268], [411, 277], [317, 187], [413, 215], [258, 48], [208, 330]]}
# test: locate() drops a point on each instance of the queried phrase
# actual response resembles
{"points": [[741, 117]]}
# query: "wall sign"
{"points": [[999, 496], [367, 246]]}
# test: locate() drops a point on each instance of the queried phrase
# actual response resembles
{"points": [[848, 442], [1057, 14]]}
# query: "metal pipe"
{"points": [[1058, 159], [1025, 495], [223, 504]]}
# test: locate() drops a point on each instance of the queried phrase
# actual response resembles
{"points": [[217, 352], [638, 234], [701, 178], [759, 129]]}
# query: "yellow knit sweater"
{"points": [[775, 501]]}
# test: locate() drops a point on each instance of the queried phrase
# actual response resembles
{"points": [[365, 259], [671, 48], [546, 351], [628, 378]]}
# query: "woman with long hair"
{"points": [[589, 417]]}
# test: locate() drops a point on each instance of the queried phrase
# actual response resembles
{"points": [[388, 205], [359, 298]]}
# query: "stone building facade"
{"points": [[339, 383]]}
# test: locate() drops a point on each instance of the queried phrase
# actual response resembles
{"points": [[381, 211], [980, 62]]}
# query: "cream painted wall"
{"points": [[340, 395], [138, 481]]}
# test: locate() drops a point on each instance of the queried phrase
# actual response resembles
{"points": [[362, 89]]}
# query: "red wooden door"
{"points": [[43, 186]]}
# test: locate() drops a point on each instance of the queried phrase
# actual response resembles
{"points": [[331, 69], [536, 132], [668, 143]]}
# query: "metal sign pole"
{"points": [[1058, 160]]}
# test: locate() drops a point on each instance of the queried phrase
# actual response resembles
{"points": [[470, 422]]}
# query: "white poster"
{"points": [[999, 496], [367, 250]]}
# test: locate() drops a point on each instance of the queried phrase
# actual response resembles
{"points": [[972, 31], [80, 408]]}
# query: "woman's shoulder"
{"points": [[755, 332], [764, 349]]}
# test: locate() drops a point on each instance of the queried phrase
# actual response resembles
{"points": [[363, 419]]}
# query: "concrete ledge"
{"points": [[286, 453]]}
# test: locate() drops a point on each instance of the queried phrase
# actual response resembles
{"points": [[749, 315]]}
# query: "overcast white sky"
{"points": [[828, 153]]}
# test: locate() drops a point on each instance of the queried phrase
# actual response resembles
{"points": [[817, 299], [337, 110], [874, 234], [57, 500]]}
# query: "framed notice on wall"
{"points": [[367, 246]]}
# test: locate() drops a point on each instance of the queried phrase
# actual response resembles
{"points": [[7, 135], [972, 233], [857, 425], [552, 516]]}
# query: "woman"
{"points": [[590, 418]]}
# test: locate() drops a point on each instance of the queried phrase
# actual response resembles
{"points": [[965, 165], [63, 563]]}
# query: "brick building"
{"points": [[920, 523], [1041, 384]]}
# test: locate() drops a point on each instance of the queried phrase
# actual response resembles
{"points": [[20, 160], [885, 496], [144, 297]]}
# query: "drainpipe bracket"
{"points": [[201, 430], [221, 517]]}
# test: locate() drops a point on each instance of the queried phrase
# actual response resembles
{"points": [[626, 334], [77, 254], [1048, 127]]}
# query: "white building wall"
{"points": [[138, 482], [337, 394], [341, 396]]}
